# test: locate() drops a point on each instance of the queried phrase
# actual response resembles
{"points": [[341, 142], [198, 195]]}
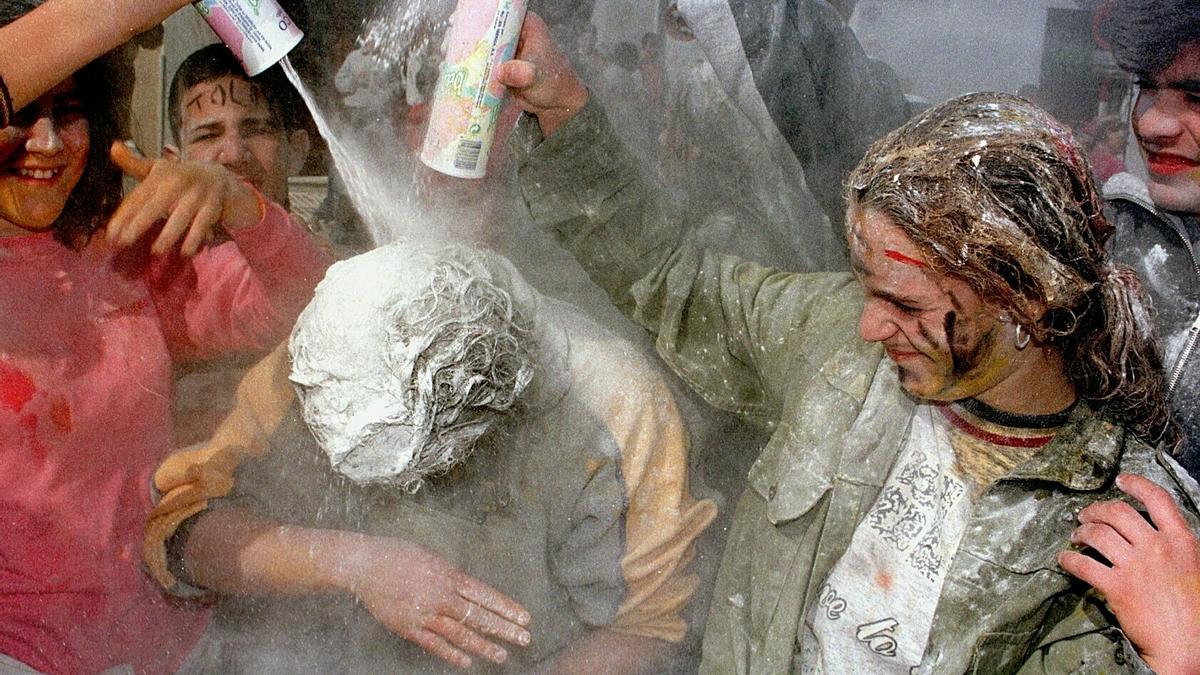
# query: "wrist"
{"points": [[246, 207], [552, 119], [344, 560]]}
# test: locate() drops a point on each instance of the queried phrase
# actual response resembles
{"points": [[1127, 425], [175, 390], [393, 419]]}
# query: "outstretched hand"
{"points": [[1153, 582], [422, 598], [189, 199], [541, 77]]}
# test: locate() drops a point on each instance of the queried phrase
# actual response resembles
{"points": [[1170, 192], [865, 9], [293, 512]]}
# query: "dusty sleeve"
{"points": [[187, 480], [661, 519], [241, 295], [730, 328]]}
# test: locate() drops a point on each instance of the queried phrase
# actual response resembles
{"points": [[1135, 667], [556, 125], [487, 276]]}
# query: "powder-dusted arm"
{"points": [[411, 591]]}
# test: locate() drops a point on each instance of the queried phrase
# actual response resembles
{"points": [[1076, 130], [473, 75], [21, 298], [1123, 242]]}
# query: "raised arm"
{"points": [[79, 31], [729, 327], [239, 296]]}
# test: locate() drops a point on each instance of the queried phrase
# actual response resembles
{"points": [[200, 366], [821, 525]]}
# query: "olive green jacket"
{"points": [[783, 348]]}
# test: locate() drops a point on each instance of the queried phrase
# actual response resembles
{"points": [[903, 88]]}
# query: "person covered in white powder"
{"points": [[455, 408]]}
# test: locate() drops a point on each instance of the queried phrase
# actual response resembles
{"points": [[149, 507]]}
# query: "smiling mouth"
{"points": [[1168, 165], [898, 355], [38, 174]]}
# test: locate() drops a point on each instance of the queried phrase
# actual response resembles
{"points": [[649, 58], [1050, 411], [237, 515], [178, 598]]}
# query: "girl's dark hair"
{"points": [[98, 191], [996, 192]]}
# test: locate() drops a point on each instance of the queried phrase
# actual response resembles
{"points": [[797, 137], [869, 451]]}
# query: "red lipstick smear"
{"points": [[16, 389], [901, 258], [1169, 165]]}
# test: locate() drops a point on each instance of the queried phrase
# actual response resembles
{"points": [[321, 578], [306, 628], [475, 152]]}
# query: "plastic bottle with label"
{"points": [[462, 123]]}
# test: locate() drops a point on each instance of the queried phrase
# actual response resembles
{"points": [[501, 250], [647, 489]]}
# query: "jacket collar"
{"points": [[1083, 455]]}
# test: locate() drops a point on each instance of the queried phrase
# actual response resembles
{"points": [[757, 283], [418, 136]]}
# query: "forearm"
{"points": [[604, 651], [284, 258], [245, 295], [232, 552], [585, 188], [94, 28]]}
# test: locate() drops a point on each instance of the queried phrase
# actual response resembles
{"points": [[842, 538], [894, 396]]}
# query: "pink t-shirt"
{"points": [[86, 344]]}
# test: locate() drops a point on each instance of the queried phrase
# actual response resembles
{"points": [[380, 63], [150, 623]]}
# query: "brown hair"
{"points": [[997, 193]]}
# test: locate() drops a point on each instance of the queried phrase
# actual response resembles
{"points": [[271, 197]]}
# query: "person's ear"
{"points": [[171, 152], [298, 146]]}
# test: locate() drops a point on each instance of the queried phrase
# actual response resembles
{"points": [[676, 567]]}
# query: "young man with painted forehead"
{"points": [[924, 475], [251, 126]]}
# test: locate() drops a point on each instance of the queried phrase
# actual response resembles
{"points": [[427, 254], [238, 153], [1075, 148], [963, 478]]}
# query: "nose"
{"points": [[1155, 117], [44, 138], [874, 325], [233, 151]]}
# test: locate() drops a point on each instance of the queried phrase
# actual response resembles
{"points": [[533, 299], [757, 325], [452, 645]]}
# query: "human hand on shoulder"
{"points": [[191, 199], [541, 77], [1153, 583], [422, 598]]}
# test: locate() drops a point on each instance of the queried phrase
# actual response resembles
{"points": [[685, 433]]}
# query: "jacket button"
{"points": [[771, 493]]}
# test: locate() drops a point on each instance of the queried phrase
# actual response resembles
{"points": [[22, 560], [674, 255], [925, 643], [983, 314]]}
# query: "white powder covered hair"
{"points": [[406, 356]]}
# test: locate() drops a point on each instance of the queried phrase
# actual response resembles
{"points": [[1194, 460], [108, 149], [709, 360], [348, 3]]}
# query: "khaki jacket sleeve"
{"points": [[730, 328], [188, 479]]}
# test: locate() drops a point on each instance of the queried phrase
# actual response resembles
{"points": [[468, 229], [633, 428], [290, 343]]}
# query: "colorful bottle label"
{"points": [[466, 105], [258, 32]]}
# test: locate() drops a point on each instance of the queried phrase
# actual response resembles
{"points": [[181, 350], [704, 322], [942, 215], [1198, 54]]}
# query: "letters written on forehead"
{"points": [[230, 91]]}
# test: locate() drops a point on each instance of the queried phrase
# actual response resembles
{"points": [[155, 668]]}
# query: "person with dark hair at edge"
{"points": [[101, 295], [1158, 221], [1150, 575], [940, 415]]}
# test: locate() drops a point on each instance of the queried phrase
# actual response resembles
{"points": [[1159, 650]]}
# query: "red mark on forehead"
{"points": [[907, 260]]}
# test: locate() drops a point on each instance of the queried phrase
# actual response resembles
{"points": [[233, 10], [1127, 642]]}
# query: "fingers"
{"points": [[178, 224], [1107, 541], [487, 622], [133, 217], [535, 34], [517, 74], [465, 639], [1121, 517], [434, 644], [129, 162], [490, 599], [1088, 570], [1158, 502]]}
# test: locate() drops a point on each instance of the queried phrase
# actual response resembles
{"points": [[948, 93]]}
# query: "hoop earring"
{"points": [[1021, 339]]}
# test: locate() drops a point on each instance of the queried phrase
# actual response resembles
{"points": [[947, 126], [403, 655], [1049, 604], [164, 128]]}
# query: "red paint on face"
{"points": [[935, 328], [901, 258], [16, 389]]}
